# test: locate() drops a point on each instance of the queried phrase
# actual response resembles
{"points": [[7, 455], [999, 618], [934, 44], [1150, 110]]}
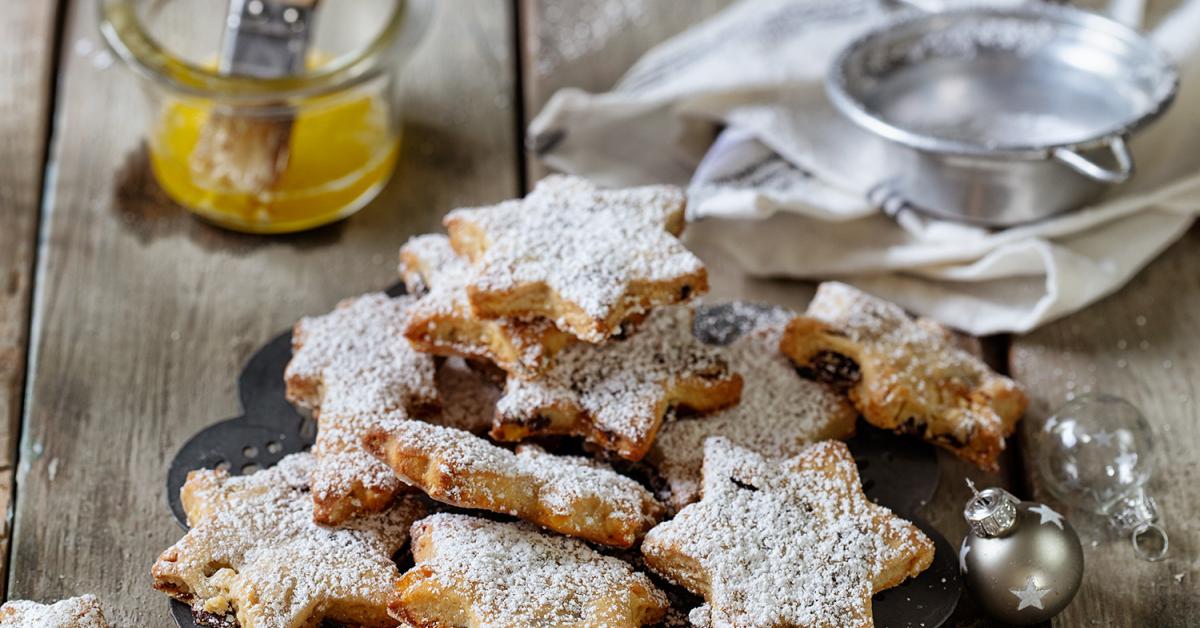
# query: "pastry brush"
{"points": [[246, 147]]}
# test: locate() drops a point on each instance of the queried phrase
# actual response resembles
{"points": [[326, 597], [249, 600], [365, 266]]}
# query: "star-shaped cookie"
{"points": [[361, 346], [583, 257], [778, 415], [475, 573], [787, 543], [353, 367], [571, 495], [77, 612], [905, 374], [616, 394], [443, 323], [254, 552]]}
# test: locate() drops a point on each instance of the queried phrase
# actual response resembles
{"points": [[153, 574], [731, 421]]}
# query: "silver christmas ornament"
{"points": [[1021, 560], [1098, 455]]}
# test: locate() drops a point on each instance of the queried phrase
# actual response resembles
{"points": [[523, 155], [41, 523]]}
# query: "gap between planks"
{"points": [[30, 49]]}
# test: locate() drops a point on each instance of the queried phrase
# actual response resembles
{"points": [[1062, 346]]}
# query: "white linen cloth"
{"points": [[778, 192]]}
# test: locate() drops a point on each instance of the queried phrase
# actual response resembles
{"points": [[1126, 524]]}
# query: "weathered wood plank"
{"points": [[146, 315], [27, 38], [590, 46], [1139, 344]]}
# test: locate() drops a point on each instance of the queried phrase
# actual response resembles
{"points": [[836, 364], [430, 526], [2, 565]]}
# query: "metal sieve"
{"points": [[1000, 116]]}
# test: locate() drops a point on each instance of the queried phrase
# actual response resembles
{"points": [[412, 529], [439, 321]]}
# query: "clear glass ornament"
{"points": [[1098, 455]]}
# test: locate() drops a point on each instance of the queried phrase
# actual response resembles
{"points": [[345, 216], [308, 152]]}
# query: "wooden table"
{"points": [[123, 321]]}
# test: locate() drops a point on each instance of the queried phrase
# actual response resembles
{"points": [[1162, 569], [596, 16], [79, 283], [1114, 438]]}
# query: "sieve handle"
{"points": [[1093, 170]]}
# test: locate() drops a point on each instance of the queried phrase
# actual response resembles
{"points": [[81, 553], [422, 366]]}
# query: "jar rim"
{"points": [[126, 37]]}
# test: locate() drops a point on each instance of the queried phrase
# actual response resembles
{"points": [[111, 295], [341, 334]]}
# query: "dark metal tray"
{"points": [[899, 472]]}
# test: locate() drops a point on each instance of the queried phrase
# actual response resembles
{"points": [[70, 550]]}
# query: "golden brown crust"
{"points": [[615, 395], [254, 552], [539, 299], [572, 496], [498, 341], [585, 258], [905, 375], [700, 393], [474, 572], [443, 323]]}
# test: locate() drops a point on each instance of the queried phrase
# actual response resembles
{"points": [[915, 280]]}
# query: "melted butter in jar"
{"points": [[269, 153], [341, 151]]}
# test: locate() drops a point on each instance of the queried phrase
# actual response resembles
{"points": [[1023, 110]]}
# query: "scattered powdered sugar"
{"points": [[586, 244], [620, 387], [468, 397], [779, 413], [473, 473], [253, 549], [724, 323], [77, 612], [568, 31], [513, 575], [790, 543], [444, 317], [356, 359]]}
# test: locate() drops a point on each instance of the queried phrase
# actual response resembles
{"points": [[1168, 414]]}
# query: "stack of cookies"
{"points": [[508, 419]]}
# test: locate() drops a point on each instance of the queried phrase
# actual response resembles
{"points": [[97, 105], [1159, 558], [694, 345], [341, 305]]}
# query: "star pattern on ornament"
{"points": [[1048, 515], [1102, 438], [1127, 460], [962, 556], [1031, 595]]}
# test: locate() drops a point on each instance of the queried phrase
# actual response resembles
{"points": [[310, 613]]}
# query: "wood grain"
{"points": [[146, 315], [562, 46], [27, 36], [590, 44], [1139, 344]]}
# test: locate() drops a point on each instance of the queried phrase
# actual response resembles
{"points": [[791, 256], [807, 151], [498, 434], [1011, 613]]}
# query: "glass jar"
{"points": [[269, 155]]}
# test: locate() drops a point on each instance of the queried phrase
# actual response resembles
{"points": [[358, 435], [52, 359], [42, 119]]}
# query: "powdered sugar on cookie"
{"points": [[77, 612], [442, 321], [254, 551], [616, 394], [585, 257], [567, 494], [792, 543], [353, 366], [905, 374], [355, 359], [779, 412], [510, 574]]}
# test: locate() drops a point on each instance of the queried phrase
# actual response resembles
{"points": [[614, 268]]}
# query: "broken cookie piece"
{"points": [[905, 374]]}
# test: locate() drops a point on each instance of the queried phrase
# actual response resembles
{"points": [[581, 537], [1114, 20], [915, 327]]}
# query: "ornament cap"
{"points": [[1137, 514], [991, 512]]}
